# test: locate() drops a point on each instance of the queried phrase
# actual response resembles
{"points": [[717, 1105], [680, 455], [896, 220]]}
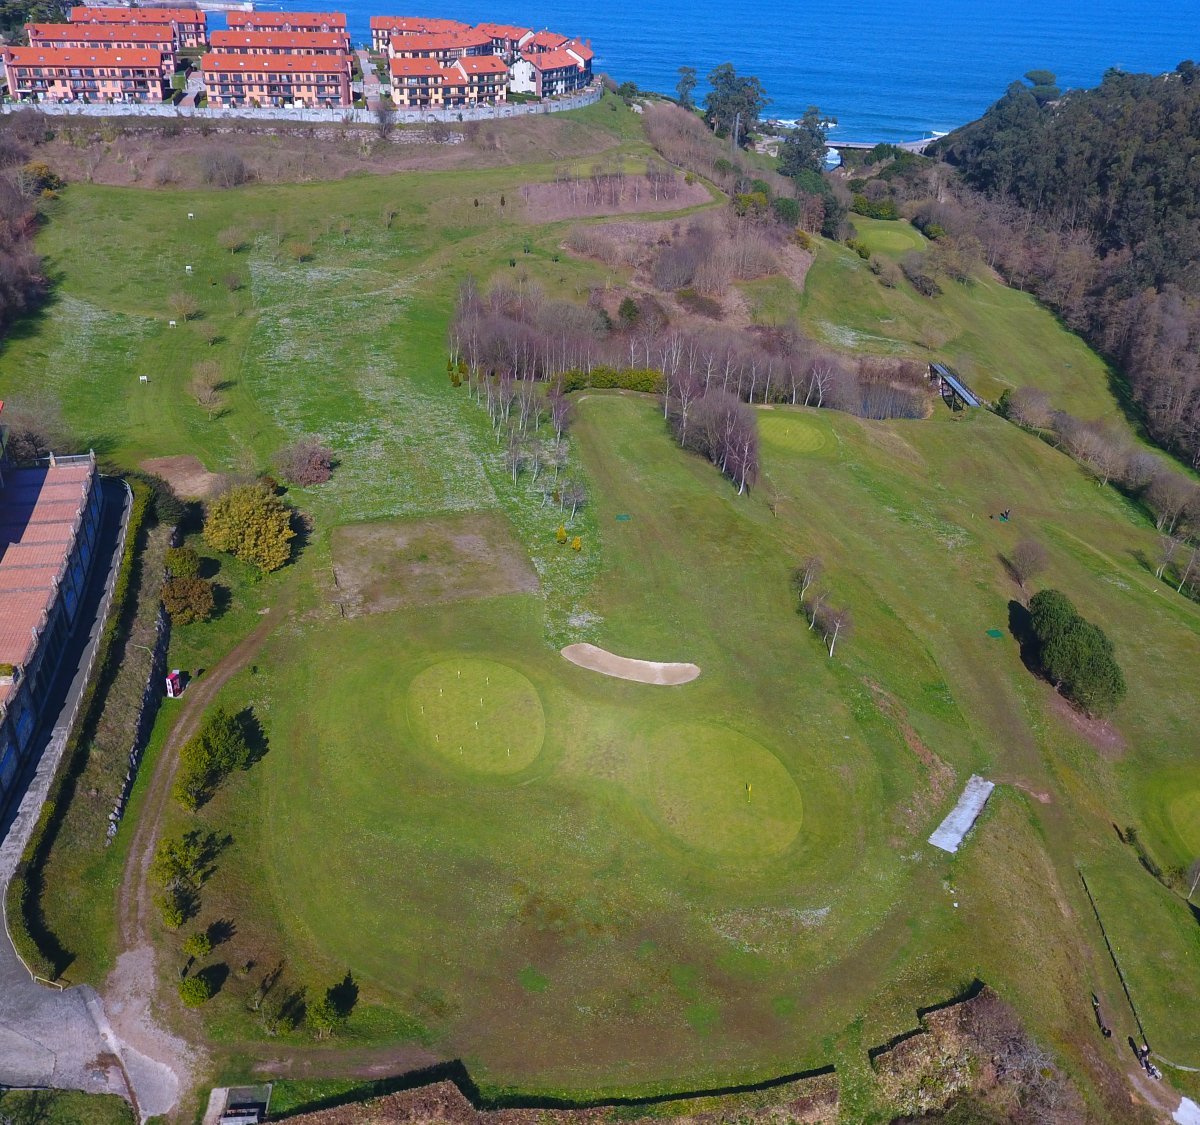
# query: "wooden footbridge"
{"points": [[949, 384]]}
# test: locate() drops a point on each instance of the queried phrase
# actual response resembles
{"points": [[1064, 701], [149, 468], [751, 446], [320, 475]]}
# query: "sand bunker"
{"points": [[625, 668]]}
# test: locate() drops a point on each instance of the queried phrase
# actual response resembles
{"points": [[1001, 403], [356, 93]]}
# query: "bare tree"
{"points": [[838, 623], [806, 574], [183, 305], [206, 385], [560, 411], [233, 239], [1190, 571], [575, 494], [35, 427], [385, 118], [1168, 547], [815, 609], [1193, 877], [1029, 559]]}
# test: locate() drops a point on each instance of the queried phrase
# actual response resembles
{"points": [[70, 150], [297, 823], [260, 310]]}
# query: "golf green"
{"points": [[1183, 811], [477, 714], [795, 433], [717, 790]]}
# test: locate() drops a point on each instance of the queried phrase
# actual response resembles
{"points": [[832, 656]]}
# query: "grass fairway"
{"points": [[586, 886]]}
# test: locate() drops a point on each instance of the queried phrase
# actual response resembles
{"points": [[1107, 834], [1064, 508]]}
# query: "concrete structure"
{"points": [[49, 520], [190, 25], [276, 80], [550, 73], [286, 21], [66, 74], [949, 384], [949, 834], [280, 43], [384, 27]]}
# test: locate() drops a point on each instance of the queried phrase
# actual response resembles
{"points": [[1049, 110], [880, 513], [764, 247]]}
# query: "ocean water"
{"points": [[887, 70]]}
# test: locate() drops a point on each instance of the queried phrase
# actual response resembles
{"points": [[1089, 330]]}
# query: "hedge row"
{"points": [[645, 379], [38, 947]]}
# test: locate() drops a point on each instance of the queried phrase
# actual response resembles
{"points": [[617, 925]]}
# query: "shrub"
{"points": [[172, 906], [182, 562], [787, 211], [198, 944], [1075, 654], [251, 523], [306, 462], [205, 760], [188, 600], [194, 991], [224, 168]]}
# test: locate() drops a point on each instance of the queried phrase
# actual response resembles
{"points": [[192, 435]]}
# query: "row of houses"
{"points": [[287, 58]]}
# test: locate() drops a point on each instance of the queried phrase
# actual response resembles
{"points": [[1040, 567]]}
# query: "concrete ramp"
{"points": [[950, 832]]}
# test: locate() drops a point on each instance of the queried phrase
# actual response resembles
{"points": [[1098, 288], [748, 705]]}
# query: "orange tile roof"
{"points": [[276, 64], [276, 19], [416, 68], [138, 15], [503, 30], [546, 41], [482, 64], [38, 512], [81, 56], [416, 25], [329, 40], [101, 33], [551, 60], [443, 41], [583, 50]]}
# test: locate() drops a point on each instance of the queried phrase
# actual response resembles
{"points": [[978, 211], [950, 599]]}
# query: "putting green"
{"points": [[797, 433], [1183, 811], [892, 238], [477, 714], [717, 790]]}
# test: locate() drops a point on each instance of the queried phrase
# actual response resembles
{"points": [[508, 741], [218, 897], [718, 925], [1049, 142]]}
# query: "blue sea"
{"points": [[887, 70]]}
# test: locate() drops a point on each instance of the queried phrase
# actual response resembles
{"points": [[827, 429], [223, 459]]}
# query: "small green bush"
{"points": [[182, 562], [194, 991]]}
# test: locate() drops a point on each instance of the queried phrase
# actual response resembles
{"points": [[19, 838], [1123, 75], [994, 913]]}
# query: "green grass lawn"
{"points": [[585, 886], [995, 336]]}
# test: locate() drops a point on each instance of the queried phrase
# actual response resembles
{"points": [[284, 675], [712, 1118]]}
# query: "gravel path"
{"points": [[626, 668]]}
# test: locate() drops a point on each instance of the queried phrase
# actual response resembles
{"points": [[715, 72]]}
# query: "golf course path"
{"points": [[626, 668]]}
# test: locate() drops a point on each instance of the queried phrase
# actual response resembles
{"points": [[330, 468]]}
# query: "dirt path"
{"points": [[130, 989], [664, 674]]}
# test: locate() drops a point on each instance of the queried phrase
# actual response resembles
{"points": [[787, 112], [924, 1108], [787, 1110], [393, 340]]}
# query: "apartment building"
{"points": [[384, 27], [276, 80], [286, 21], [49, 526], [445, 46], [68, 74], [158, 37], [280, 43], [426, 83], [506, 38], [547, 73], [190, 25]]}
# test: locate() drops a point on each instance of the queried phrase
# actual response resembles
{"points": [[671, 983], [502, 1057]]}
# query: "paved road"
{"points": [[63, 1038], [370, 83]]}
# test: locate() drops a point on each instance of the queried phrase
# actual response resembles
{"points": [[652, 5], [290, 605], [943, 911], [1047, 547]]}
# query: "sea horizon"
{"points": [[892, 72]]}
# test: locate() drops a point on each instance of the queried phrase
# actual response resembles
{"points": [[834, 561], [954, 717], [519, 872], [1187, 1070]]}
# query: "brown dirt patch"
{"points": [[134, 151], [1098, 733], [577, 199], [186, 475], [381, 567]]}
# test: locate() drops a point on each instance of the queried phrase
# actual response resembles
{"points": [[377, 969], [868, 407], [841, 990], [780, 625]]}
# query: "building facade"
{"points": [[49, 526], [286, 21], [190, 25], [69, 74], [445, 47], [427, 83], [280, 43], [547, 73], [276, 80], [158, 37], [384, 27]]}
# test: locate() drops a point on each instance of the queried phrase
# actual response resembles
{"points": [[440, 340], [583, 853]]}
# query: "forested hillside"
{"points": [[1098, 192]]}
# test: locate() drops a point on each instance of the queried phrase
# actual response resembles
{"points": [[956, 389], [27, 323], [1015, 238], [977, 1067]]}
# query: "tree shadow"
{"points": [[209, 568], [215, 975], [220, 931], [1020, 625], [256, 737], [1139, 557], [1011, 571], [222, 600], [344, 995]]}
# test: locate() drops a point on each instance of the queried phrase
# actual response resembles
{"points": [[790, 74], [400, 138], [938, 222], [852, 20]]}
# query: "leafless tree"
{"points": [[1168, 547], [183, 305], [837, 623], [808, 572], [385, 118], [1193, 878], [1029, 559], [1191, 571], [560, 411], [35, 426], [206, 384], [233, 239], [306, 461], [1168, 496], [575, 494]]}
